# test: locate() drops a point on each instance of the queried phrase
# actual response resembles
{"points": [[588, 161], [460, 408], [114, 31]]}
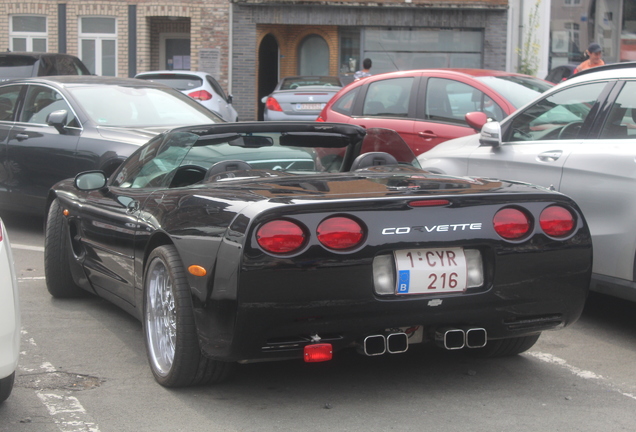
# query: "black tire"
{"points": [[175, 357], [506, 347], [6, 385], [57, 245]]}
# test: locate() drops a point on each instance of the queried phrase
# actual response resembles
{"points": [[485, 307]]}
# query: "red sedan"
{"points": [[428, 107]]}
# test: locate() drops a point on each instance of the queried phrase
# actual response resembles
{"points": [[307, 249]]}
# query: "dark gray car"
{"points": [[30, 64], [52, 128]]}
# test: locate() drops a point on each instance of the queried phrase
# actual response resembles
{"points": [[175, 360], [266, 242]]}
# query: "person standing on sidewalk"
{"points": [[594, 52], [365, 72]]}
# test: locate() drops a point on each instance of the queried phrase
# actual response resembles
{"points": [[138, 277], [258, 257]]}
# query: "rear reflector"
{"points": [[318, 353], [556, 221]]}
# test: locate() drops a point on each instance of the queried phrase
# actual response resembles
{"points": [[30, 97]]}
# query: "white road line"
{"points": [[67, 412], [549, 358], [27, 247], [20, 279]]}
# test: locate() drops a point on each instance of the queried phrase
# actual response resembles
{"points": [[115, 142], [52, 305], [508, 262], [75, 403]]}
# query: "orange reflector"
{"points": [[197, 270], [318, 353], [65, 212]]}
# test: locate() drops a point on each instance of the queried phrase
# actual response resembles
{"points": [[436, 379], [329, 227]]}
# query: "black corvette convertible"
{"points": [[268, 241]]}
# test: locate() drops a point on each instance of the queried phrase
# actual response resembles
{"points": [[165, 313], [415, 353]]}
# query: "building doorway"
{"points": [[268, 69], [174, 51], [313, 56]]}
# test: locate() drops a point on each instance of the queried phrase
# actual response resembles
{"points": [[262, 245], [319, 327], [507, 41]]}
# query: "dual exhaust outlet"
{"points": [[449, 338], [458, 338]]}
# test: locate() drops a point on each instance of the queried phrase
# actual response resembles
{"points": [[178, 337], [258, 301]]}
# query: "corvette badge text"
{"points": [[423, 229]]}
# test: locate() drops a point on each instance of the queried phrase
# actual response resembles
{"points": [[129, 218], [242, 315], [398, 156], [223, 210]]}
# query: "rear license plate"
{"points": [[309, 106], [431, 271]]}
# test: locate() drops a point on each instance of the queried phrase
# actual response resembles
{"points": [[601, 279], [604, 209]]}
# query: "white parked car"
{"points": [[578, 138], [9, 317], [200, 86]]}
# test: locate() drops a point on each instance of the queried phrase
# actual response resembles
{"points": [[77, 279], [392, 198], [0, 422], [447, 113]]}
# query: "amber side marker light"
{"points": [[318, 353], [65, 212], [197, 270]]}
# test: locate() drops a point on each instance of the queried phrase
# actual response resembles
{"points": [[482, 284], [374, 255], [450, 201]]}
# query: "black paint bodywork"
{"points": [[253, 306]]}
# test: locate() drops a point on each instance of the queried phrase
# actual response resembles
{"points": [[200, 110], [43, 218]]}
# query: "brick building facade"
{"points": [[248, 44]]}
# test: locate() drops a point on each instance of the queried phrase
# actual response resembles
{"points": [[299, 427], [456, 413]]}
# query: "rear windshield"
{"points": [[16, 66], [178, 82], [293, 83]]}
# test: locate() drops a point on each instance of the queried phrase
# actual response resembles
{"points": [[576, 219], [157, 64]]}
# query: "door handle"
{"points": [[427, 134], [21, 137], [550, 156]]}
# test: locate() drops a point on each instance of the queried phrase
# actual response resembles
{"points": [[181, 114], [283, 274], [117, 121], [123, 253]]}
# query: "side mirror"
{"points": [[90, 180], [264, 99], [230, 98], [490, 134], [476, 120], [57, 119]]}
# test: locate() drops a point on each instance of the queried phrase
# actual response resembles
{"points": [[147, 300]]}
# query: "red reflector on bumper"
{"points": [[318, 353]]}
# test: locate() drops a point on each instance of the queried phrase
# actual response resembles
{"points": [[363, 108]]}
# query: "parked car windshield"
{"points": [[517, 90], [139, 106]]}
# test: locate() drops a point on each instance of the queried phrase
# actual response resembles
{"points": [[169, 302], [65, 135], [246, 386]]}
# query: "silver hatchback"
{"points": [[578, 138]]}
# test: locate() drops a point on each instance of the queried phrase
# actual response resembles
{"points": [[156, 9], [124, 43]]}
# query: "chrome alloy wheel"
{"points": [[161, 317]]}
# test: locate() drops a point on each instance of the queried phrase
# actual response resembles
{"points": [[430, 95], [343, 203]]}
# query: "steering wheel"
{"points": [[570, 130], [293, 86]]}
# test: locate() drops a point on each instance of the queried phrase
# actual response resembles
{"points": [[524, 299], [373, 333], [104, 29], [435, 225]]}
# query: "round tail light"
{"points": [[280, 237], [340, 233], [511, 223], [556, 221]]}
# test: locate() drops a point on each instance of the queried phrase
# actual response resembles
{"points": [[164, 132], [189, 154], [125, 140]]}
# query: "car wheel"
{"points": [[506, 347], [6, 385], [172, 342], [57, 268]]}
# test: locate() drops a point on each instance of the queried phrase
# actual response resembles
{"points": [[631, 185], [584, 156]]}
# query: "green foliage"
{"points": [[529, 51]]}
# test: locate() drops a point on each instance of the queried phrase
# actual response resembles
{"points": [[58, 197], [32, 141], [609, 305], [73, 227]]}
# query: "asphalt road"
{"points": [[84, 368]]}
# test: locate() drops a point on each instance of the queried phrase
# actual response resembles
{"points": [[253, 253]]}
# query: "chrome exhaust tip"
{"points": [[374, 345], [397, 343], [450, 338], [476, 337]]}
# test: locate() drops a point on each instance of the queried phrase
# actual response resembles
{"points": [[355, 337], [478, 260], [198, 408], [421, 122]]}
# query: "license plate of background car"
{"points": [[309, 106], [431, 271]]}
